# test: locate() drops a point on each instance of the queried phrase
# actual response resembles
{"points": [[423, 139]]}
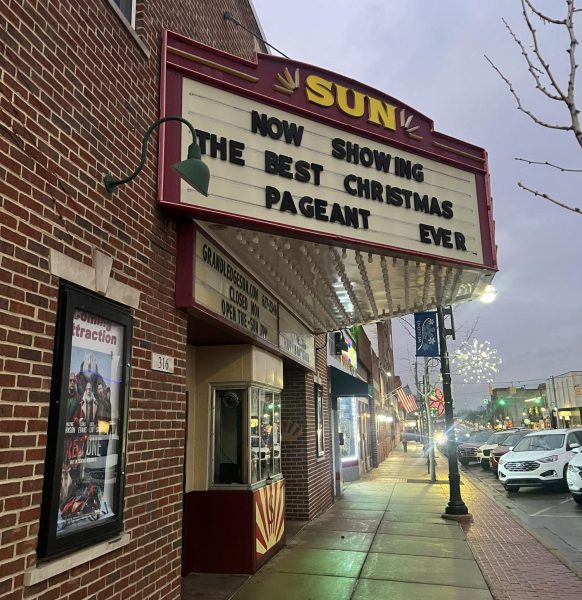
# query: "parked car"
{"points": [[540, 459], [461, 436], [495, 440], [574, 475], [467, 450], [412, 434], [508, 444]]}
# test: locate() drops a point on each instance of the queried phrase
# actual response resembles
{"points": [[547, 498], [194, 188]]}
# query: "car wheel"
{"points": [[577, 499], [512, 489], [564, 485], [464, 461]]}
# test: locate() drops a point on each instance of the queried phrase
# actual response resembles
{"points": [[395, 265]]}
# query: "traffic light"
{"points": [[501, 402]]}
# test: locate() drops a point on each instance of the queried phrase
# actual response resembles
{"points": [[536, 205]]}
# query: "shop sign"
{"points": [[296, 150], [83, 486], [295, 339], [227, 290]]}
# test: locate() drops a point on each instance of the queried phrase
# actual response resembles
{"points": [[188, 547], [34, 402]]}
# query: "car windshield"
{"points": [[513, 438], [533, 443], [480, 436], [497, 438]]}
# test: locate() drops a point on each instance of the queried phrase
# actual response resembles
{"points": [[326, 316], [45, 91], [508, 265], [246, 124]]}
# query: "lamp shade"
{"points": [[193, 170]]}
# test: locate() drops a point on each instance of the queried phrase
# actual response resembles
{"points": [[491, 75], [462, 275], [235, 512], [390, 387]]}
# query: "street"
{"points": [[550, 515]]}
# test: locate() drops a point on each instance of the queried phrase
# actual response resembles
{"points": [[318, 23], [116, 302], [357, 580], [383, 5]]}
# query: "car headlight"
{"points": [[502, 460], [574, 469], [548, 459]]}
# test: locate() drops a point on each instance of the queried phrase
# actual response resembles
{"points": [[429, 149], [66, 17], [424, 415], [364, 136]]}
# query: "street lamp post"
{"points": [[456, 508]]}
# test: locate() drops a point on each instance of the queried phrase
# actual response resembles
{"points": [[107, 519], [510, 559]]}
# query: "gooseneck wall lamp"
{"points": [[192, 170]]}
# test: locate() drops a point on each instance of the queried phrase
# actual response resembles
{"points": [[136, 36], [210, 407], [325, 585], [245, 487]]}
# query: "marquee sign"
{"points": [[298, 151]]}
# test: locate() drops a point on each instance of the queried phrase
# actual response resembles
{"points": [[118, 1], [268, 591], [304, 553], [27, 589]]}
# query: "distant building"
{"points": [[565, 398], [519, 407]]}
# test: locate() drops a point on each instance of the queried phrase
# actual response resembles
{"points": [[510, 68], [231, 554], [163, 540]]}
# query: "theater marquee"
{"points": [[292, 148], [301, 153]]}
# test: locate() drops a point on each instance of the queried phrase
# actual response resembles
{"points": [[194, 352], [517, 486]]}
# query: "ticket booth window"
{"points": [[228, 437], [247, 435], [265, 420]]}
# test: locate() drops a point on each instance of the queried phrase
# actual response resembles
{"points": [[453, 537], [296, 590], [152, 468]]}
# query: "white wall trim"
{"points": [[96, 278], [44, 571]]}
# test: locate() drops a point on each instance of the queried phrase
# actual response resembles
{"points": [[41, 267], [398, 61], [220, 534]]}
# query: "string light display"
{"points": [[476, 362]]}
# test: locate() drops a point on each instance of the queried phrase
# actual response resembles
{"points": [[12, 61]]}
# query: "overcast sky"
{"points": [[430, 55]]}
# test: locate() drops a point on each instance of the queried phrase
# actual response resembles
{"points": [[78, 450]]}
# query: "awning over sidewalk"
{"points": [[344, 384]]}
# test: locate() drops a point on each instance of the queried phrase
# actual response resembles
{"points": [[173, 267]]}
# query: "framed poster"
{"points": [[84, 467]]}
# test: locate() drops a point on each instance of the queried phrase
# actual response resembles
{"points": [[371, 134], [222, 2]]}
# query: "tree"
{"points": [[548, 84], [479, 415]]}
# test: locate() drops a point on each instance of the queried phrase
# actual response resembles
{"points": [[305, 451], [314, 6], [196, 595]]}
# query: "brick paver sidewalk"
{"points": [[515, 564]]}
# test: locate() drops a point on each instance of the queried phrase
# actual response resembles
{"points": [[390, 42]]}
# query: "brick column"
{"points": [[309, 478]]}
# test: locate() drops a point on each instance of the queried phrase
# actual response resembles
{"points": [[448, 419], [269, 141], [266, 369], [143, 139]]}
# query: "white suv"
{"points": [[539, 459], [495, 440], [575, 476]]}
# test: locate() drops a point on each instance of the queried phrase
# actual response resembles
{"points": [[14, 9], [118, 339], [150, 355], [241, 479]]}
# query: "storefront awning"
{"points": [[344, 384]]}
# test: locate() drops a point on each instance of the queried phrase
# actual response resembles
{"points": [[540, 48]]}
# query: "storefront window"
{"points": [[348, 426], [263, 459], [83, 489]]}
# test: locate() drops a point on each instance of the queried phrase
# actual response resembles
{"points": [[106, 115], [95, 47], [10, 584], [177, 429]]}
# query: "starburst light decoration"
{"points": [[476, 362]]}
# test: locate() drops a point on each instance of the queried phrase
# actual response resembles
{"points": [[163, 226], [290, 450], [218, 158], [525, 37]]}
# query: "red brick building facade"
{"points": [[79, 88], [80, 85]]}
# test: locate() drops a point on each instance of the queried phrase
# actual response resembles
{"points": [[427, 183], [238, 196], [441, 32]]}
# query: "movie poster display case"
{"points": [[84, 467]]}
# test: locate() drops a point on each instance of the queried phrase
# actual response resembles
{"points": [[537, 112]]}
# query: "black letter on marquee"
{"points": [[425, 233], [460, 241], [339, 148], [272, 196]]}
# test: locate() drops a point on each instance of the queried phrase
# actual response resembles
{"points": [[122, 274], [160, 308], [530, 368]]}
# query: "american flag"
{"points": [[407, 399]]}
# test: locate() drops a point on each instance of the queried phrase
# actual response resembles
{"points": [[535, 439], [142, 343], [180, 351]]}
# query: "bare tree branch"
{"points": [[535, 71], [542, 16], [547, 83], [548, 164], [571, 103], [546, 197], [520, 105], [537, 50]]}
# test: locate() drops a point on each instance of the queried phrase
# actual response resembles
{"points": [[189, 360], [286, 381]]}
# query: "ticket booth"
{"points": [[234, 501]]}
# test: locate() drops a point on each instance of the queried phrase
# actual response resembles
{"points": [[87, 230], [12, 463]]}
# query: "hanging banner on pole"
{"points": [[425, 328]]}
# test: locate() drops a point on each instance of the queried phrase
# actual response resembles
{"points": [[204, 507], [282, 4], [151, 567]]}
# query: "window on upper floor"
{"points": [[127, 7]]}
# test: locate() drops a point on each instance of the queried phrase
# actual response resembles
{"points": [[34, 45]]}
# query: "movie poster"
{"points": [[92, 444]]}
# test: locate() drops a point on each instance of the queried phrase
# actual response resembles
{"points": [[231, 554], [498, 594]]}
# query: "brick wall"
{"points": [[308, 478], [77, 94]]}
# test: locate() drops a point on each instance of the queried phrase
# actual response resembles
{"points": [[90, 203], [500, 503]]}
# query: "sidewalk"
{"points": [[386, 539]]}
